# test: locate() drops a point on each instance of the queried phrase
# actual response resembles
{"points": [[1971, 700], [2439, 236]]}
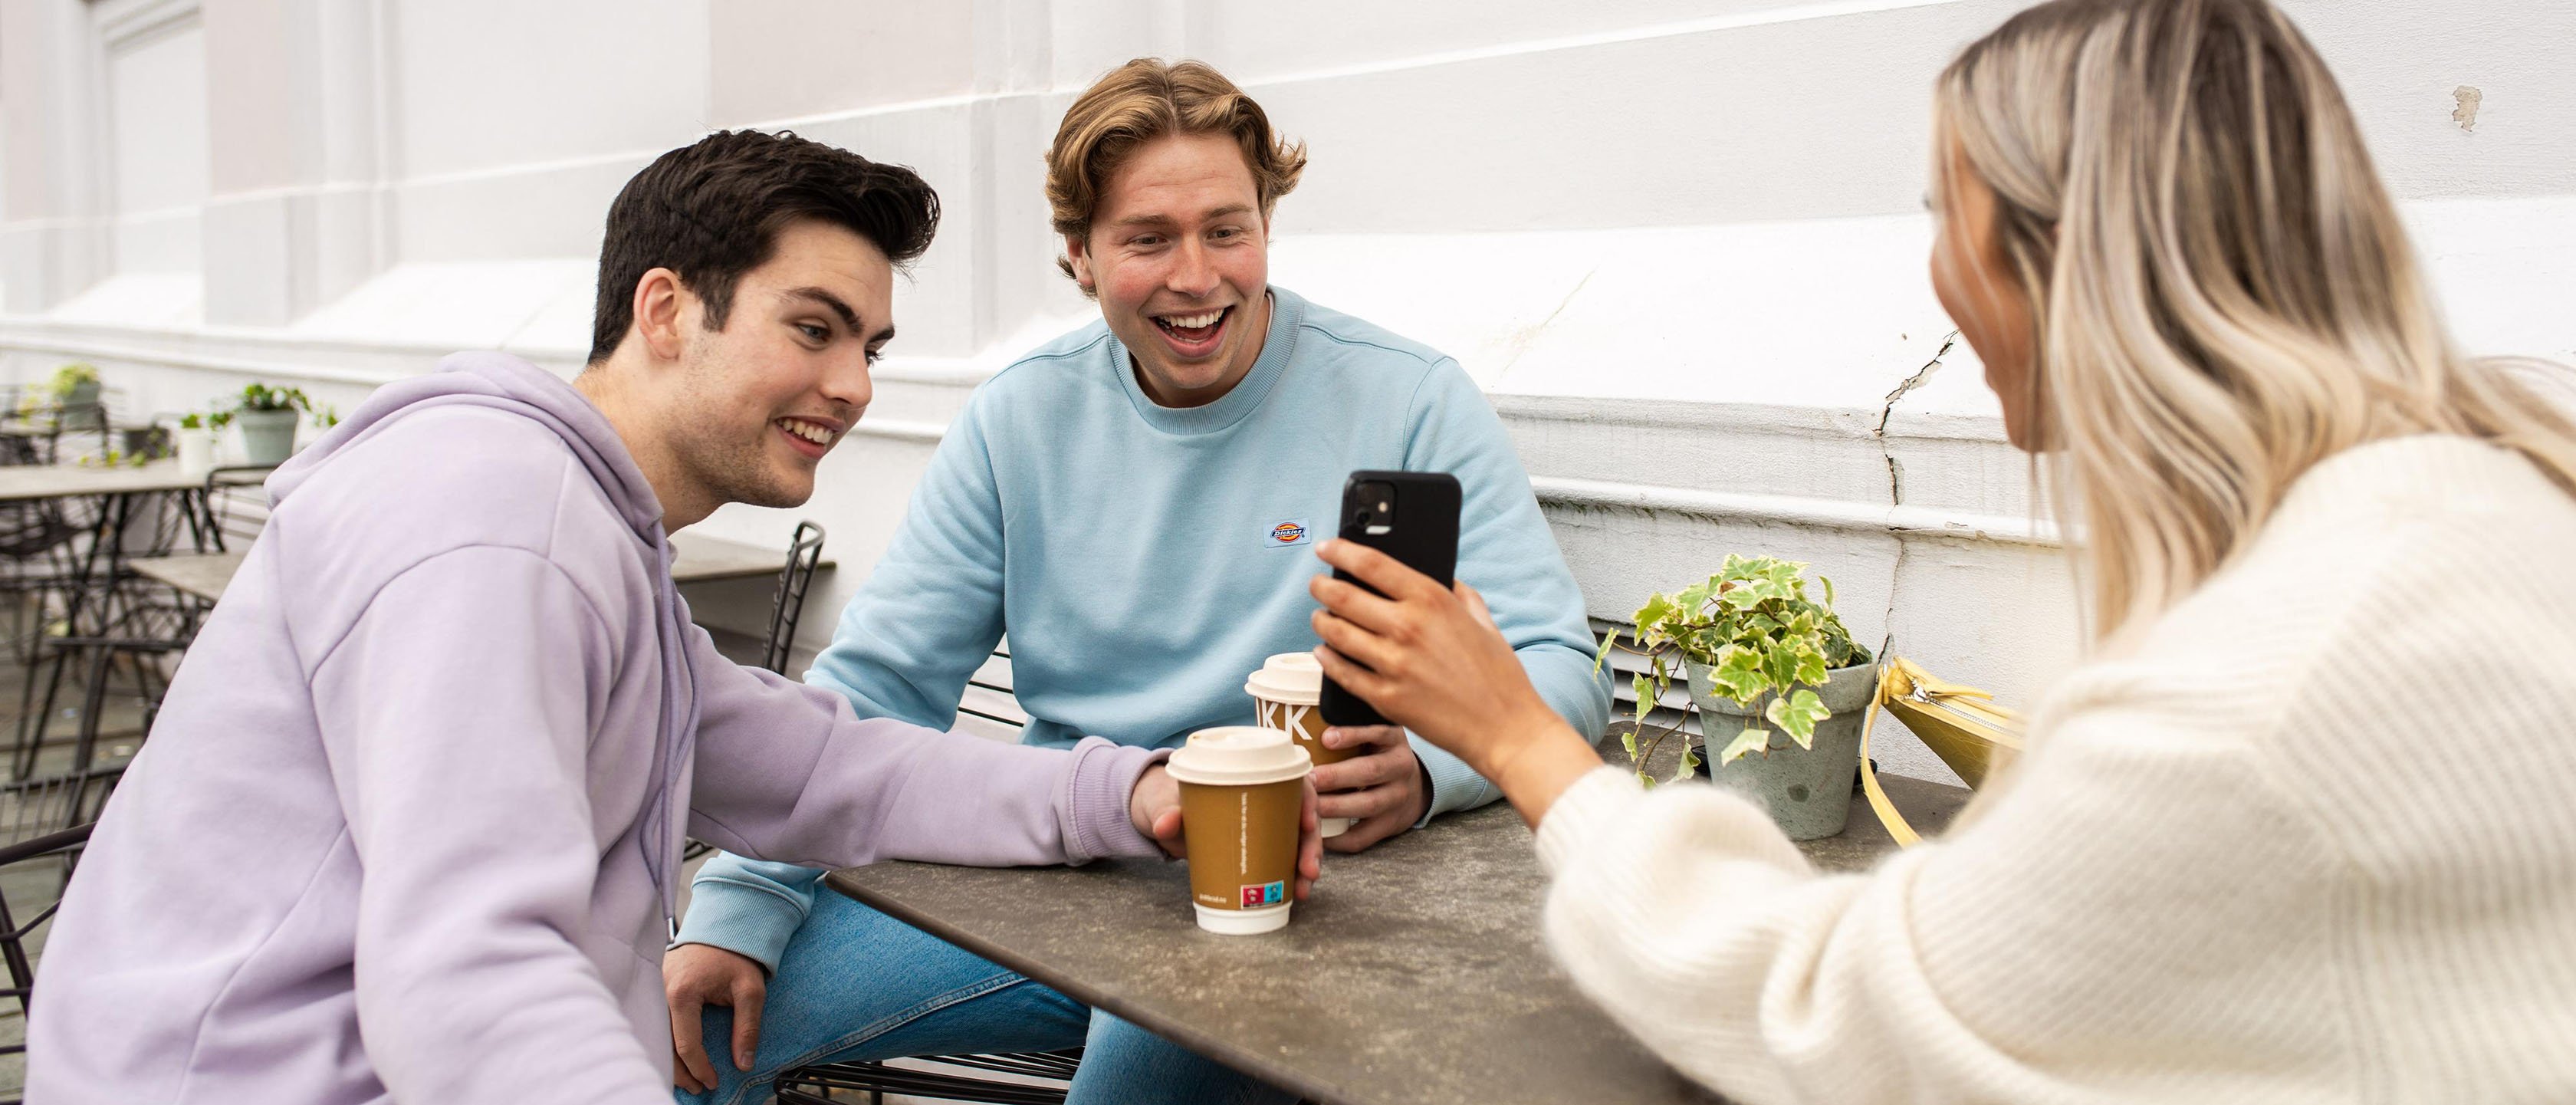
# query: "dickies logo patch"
{"points": [[1284, 534]]}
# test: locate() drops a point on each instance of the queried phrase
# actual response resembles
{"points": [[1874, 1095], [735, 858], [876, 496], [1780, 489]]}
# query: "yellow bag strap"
{"points": [[1906, 837]]}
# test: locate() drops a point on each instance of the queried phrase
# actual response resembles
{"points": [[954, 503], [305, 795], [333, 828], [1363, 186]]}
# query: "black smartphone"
{"points": [[1411, 516]]}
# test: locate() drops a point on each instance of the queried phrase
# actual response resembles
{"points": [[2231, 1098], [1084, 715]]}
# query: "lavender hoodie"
{"points": [[408, 826]]}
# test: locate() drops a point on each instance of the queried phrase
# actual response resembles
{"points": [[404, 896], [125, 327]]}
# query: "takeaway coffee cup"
{"points": [[1284, 696], [1242, 788]]}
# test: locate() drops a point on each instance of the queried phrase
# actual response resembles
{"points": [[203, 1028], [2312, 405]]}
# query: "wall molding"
{"points": [[125, 24], [1840, 515], [1837, 515]]}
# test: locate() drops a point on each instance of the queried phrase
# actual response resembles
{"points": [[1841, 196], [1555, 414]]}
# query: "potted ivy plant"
{"points": [[74, 388], [1779, 686], [267, 418]]}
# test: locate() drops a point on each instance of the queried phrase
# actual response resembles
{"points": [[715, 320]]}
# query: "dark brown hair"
{"points": [[712, 212]]}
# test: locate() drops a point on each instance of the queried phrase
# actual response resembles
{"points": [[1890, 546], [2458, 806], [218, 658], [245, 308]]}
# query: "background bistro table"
{"points": [[1415, 974]]}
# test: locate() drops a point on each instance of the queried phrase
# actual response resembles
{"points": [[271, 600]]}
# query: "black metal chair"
{"points": [[231, 509], [809, 1085], [787, 604], [16, 934], [786, 609], [143, 623]]}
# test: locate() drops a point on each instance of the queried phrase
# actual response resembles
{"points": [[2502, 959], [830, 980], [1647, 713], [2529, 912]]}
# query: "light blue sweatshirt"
{"points": [[1144, 559]]}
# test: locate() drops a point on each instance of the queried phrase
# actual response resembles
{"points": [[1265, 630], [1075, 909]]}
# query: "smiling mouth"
{"points": [[1196, 328], [813, 438]]}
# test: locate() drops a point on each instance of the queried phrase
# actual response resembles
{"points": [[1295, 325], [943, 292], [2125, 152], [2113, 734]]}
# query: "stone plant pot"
{"points": [[80, 407], [1808, 790], [268, 437]]}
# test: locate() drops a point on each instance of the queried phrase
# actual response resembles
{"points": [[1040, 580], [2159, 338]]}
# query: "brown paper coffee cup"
{"points": [[1241, 790], [1285, 693]]}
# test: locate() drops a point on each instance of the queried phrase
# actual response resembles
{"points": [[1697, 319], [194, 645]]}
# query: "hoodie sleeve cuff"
{"points": [[1583, 815], [1454, 785], [752, 921], [1097, 824]]}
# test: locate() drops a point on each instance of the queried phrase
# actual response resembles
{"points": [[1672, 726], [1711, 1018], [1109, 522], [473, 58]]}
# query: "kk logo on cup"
{"points": [[1273, 893], [1285, 534]]}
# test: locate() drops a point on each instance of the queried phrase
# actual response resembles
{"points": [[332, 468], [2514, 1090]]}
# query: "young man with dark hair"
{"points": [[1211, 414], [408, 826]]}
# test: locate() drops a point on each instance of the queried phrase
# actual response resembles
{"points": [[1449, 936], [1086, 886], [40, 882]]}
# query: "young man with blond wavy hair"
{"points": [[1216, 413]]}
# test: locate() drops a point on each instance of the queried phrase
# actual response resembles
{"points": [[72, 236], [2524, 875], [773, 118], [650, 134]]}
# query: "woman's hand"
{"points": [[1430, 659]]}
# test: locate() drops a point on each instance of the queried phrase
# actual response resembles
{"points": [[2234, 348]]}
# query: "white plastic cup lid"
{"points": [[1290, 678], [1239, 755]]}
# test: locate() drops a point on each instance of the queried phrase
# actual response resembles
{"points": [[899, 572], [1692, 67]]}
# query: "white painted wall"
{"points": [[1680, 241]]}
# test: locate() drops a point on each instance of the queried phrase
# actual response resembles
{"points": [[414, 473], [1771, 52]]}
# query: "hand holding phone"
{"points": [[1411, 516]]}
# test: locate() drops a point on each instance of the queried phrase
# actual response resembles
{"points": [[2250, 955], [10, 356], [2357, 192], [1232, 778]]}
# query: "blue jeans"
{"points": [[856, 985]]}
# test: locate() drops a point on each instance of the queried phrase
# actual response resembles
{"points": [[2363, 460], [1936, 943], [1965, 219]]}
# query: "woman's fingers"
{"points": [[1356, 644], [1356, 679], [1355, 603], [1390, 576]]}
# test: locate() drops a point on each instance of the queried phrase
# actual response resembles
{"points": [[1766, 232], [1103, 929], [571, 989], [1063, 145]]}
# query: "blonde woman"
{"points": [[2301, 829]]}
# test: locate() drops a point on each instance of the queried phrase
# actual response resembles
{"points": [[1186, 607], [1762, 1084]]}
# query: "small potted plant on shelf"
{"points": [[197, 439], [1779, 686], [74, 388], [267, 418]]}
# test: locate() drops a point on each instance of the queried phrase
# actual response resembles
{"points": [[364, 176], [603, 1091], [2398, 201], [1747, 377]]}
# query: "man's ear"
{"points": [[660, 300], [1077, 259]]}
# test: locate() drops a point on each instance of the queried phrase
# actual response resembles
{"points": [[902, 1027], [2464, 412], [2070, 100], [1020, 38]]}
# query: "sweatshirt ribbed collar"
{"points": [[1287, 313]]}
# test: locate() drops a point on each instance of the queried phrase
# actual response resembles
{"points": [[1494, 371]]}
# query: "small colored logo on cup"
{"points": [[1265, 894]]}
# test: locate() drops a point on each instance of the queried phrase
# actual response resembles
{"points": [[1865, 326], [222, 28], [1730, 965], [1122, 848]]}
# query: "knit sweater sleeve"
{"points": [[2117, 906]]}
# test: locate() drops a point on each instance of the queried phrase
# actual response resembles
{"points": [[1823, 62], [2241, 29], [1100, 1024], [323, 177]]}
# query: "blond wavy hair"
{"points": [[2221, 290], [1147, 99]]}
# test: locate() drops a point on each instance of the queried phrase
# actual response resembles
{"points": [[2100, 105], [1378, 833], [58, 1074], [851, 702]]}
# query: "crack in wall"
{"points": [[1896, 482], [1528, 335], [1923, 375]]}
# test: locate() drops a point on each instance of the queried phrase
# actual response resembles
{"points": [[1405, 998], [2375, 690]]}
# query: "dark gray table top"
{"points": [[1415, 974]]}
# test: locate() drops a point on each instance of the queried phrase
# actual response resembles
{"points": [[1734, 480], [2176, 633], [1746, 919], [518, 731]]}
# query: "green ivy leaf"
{"points": [[1797, 715], [1657, 609], [1780, 666], [1811, 666], [1746, 743], [1738, 673]]}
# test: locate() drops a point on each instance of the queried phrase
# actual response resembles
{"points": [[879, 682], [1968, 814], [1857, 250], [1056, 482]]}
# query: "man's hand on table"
{"points": [[1384, 792], [1154, 807], [698, 975]]}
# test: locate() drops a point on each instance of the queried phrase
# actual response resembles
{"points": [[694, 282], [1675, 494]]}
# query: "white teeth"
{"points": [[1193, 322], [807, 430]]}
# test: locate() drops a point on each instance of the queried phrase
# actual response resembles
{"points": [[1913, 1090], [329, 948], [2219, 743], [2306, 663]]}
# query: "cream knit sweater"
{"points": [[2312, 840]]}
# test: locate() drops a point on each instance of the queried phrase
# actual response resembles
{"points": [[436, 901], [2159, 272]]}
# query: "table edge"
{"points": [[1180, 1032]]}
